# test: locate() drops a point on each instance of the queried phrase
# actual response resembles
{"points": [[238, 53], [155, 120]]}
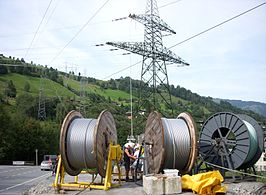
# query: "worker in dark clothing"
{"points": [[55, 165], [128, 158]]}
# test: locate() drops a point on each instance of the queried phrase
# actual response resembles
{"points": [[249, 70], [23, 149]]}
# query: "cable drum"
{"points": [[230, 140], [173, 142], [84, 142]]}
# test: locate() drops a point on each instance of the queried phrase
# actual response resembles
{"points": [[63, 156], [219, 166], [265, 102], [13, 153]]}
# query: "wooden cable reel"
{"points": [[84, 142], [163, 135]]}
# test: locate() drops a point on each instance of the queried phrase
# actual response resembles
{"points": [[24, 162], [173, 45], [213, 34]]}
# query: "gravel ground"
{"points": [[247, 188], [130, 188]]}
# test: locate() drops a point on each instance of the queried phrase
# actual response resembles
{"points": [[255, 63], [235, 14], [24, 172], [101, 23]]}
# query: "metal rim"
{"points": [[72, 115]]}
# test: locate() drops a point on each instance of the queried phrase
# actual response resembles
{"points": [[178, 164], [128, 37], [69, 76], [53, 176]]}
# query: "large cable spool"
{"points": [[230, 140], [173, 142], [84, 142]]}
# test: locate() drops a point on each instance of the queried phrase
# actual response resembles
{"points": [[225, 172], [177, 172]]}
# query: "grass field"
{"points": [[50, 87], [90, 88]]}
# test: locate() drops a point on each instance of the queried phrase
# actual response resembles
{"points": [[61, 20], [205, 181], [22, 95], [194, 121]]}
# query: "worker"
{"points": [[128, 158], [55, 165], [137, 155]]}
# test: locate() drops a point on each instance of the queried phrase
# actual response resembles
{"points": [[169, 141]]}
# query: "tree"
{"points": [[3, 70], [27, 86], [60, 80], [10, 89], [26, 105]]}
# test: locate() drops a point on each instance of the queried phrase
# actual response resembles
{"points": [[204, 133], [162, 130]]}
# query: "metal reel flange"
{"points": [[225, 140]]}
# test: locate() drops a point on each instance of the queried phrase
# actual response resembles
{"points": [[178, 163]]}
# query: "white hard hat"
{"points": [[131, 144]]}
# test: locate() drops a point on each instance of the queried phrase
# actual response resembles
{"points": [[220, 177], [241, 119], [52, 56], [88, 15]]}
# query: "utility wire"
{"points": [[230, 19], [50, 16], [235, 171], [196, 35], [54, 29], [75, 26], [169, 3], [122, 70], [82, 28], [38, 28]]}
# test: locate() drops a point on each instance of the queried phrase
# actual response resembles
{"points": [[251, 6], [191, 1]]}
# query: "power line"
{"points": [[76, 26], [54, 29], [91, 44], [196, 35], [123, 69], [38, 28], [97, 11], [169, 4], [230, 19], [50, 16]]}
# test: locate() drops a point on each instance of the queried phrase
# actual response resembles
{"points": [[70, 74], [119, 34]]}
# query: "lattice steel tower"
{"points": [[41, 109], [82, 106], [155, 57]]}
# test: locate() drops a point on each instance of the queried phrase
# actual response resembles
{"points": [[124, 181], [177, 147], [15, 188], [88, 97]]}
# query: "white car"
{"points": [[47, 165]]}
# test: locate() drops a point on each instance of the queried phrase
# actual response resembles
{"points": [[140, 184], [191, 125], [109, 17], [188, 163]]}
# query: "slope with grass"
{"points": [[51, 88], [115, 95]]}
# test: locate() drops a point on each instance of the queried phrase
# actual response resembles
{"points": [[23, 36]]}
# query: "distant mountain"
{"points": [[257, 107]]}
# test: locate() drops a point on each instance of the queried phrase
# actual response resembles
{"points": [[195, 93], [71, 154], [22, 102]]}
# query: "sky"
{"points": [[226, 62]]}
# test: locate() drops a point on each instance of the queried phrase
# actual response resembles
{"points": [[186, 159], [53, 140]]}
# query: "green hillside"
{"points": [[115, 95], [51, 88]]}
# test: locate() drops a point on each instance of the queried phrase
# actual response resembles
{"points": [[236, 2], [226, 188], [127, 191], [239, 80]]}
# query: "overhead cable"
{"points": [[228, 20], [81, 29], [38, 28], [162, 6], [75, 26], [122, 70]]}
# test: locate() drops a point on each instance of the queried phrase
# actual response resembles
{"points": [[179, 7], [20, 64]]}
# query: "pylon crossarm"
{"points": [[142, 49], [152, 19]]}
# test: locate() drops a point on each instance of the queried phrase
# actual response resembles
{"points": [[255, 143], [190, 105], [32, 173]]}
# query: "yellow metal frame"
{"points": [[114, 155]]}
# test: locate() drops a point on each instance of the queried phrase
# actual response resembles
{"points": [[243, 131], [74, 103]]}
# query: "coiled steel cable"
{"points": [[80, 143], [176, 143], [253, 141]]}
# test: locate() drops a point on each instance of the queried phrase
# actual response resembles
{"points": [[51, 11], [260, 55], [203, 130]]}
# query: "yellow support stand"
{"points": [[114, 155]]}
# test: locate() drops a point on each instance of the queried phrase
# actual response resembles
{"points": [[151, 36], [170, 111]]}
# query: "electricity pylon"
{"points": [[82, 106], [154, 79], [41, 109]]}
